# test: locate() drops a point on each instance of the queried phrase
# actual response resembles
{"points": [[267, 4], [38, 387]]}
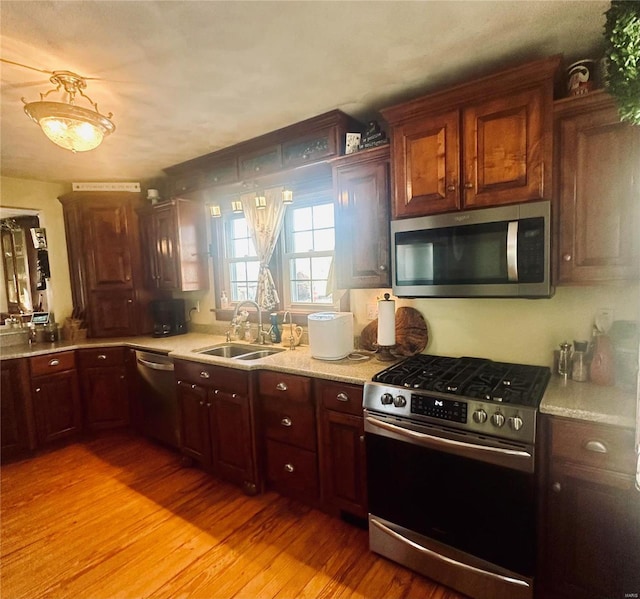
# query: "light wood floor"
{"points": [[118, 517]]}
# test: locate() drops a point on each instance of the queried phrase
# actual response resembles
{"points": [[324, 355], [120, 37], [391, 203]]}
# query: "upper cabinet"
{"points": [[598, 190], [311, 141], [483, 143], [174, 246], [361, 183], [105, 263]]}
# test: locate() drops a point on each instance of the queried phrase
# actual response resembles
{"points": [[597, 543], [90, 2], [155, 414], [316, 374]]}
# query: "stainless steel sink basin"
{"points": [[239, 351]]}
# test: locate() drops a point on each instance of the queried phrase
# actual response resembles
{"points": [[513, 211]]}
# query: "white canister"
{"points": [[330, 335]]}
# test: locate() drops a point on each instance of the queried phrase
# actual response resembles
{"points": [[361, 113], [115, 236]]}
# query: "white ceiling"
{"points": [[185, 78]]}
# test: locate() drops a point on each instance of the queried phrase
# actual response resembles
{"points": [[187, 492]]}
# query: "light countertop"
{"points": [[569, 399]]}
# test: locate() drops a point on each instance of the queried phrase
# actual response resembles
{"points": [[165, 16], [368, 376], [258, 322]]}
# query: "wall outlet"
{"points": [[372, 310], [604, 319]]}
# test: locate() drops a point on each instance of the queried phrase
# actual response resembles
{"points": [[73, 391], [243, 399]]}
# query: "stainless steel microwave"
{"points": [[489, 252]]}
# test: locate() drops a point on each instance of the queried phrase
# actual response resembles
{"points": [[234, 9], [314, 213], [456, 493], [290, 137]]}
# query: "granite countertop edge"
{"points": [[563, 398]]}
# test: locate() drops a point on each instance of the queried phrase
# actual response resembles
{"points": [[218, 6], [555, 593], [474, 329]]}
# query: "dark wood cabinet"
{"points": [[361, 182], [174, 246], [591, 518], [105, 387], [484, 143], [217, 422], [103, 244], [288, 435], [598, 186], [55, 395], [16, 434], [343, 454]]}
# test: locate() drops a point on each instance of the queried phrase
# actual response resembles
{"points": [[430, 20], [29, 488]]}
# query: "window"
{"points": [[301, 264]]}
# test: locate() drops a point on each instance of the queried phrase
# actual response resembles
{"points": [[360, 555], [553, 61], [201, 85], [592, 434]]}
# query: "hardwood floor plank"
{"points": [[118, 517]]}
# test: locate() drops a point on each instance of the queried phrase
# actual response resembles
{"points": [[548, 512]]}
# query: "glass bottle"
{"points": [[275, 334], [564, 360]]}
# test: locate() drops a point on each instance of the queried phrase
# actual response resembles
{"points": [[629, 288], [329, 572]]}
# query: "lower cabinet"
{"points": [[289, 442], [590, 547], [105, 387], [55, 395], [216, 421], [16, 434], [343, 448]]}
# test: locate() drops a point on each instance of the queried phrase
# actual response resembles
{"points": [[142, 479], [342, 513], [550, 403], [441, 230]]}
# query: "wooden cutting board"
{"points": [[412, 334]]}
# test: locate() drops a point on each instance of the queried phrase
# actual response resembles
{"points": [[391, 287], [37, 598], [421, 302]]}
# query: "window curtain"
{"points": [[265, 226]]}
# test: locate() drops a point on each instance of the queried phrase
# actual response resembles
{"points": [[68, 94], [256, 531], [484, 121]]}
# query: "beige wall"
{"points": [[513, 330], [43, 197]]}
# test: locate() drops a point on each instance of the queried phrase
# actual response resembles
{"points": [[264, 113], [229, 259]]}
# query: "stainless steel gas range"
{"points": [[451, 463]]}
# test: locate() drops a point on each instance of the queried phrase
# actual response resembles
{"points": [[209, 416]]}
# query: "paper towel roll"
{"points": [[386, 322]]}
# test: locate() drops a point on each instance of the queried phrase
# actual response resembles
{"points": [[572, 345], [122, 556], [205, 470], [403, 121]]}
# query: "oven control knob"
{"points": [[480, 416], [497, 420], [386, 399], [399, 401], [516, 423]]}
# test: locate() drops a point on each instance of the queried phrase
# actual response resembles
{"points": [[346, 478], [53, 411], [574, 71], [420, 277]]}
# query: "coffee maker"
{"points": [[168, 317]]}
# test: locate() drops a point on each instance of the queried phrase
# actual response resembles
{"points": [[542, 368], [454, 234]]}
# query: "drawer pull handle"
{"points": [[102, 357], [342, 397], [202, 403], [596, 447], [193, 386], [54, 362], [204, 375], [557, 487], [286, 421], [38, 390], [281, 386], [289, 468]]}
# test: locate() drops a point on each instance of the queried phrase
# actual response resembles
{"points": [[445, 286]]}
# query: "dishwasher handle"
{"points": [[156, 365]]}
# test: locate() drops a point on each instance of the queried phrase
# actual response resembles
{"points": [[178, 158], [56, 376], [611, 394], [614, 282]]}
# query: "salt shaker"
{"points": [[564, 360]]}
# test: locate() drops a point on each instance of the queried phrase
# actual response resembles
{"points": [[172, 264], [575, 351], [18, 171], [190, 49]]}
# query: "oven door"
{"points": [[468, 523]]}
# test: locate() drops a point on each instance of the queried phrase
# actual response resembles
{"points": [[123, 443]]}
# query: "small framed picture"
{"points": [[352, 143]]}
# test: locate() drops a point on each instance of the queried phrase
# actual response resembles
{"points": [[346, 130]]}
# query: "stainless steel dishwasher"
{"points": [[158, 400]]}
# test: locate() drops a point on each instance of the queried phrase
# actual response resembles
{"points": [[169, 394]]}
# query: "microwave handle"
{"points": [[512, 251]]}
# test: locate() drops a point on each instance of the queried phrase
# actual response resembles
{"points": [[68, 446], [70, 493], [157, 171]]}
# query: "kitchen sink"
{"points": [[239, 351]]}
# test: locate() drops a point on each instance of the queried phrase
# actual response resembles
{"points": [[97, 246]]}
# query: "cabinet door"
{"points": [[362, 224], [427, 165], [15, 436], [56, 405], [599, 174], [109, 241], [194, 422], [231, 437], [504, 150], [148, 246], [113, 314], [164, 238], [345, 462], [593, 527], [105, 394]]}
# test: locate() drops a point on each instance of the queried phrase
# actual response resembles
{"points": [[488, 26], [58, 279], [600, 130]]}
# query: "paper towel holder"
{"points": [[383, 353]]}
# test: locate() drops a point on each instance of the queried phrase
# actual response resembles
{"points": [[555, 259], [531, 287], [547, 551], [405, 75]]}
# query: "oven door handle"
{"points": [[499, 454], [385, 529]]}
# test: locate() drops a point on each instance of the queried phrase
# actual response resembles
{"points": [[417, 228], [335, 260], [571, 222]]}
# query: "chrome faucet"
{"points": [[260, 338], [292, 341]]}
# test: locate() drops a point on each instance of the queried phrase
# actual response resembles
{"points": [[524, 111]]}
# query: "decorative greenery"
{"points": [[622, 38]]}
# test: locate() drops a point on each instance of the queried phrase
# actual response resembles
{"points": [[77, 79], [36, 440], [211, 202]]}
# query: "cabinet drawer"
{"points": [[50, 363], [289, 422], [292, 471], [215, 377], [589, 444], [340, 397], [290, 386], [103, 356]]}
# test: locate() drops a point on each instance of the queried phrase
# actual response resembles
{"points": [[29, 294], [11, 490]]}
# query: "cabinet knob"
{"points": [[289, 468], [179, 382], [382, 267], [468, 185], [361, 438], [557, 487], [286, 421], [129, 301], [567, 257], [342, 397], [38, 390], [193, 386], [101, 357], [451, 187], [204, 374], [208, 405], [281, 386], [122, 377], [202, 403], [596, 446], [54, 362]]}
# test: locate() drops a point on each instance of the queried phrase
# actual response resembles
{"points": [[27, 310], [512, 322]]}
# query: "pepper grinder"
{"points": [[564, 360]]}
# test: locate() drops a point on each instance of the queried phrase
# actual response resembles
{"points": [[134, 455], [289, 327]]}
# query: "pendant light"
{"points": [[71, 127]]}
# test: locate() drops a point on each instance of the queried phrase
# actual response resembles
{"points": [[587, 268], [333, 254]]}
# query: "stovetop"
{"points": [[477, 378]]}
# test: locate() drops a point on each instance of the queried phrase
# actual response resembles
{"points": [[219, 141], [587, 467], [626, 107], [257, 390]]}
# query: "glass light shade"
{"points": [[261, 202], [71, 127], [287, 196], [236, 206], [214, 211]]}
